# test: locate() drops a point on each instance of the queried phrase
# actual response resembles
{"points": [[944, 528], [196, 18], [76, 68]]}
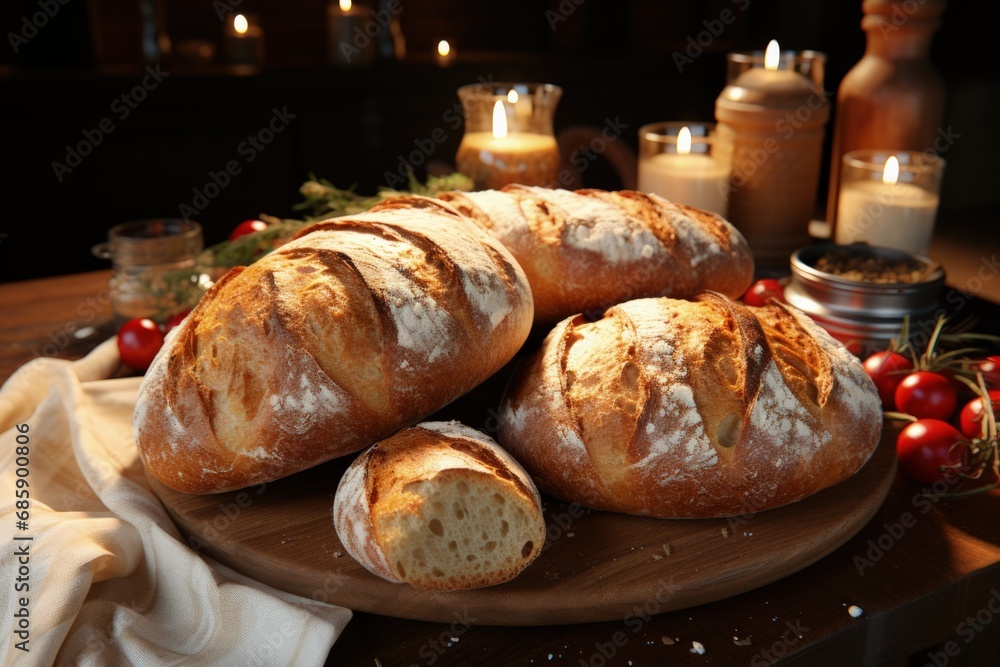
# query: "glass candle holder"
{"points": [[508, 134], [889, 199], [153, 264], [347, 43], [774, 114], [243, 40], [683, 162]]}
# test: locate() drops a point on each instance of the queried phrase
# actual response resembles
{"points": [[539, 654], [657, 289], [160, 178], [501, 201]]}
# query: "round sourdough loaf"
{"points": [[360, 326], [690, 409], [590, 249], [439, 506]]}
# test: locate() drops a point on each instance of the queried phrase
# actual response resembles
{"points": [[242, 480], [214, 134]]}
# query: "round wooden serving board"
{"points": [[596, 565]]}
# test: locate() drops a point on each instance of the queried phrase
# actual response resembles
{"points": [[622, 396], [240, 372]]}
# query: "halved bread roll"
{"points": [[439, 506]]}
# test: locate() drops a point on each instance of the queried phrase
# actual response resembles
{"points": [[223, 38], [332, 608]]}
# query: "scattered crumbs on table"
{"points": [[746, 534], [550, 656], [338, 554], [454, 639], [855, 611], [657, 557], [667, 549], [666, 640], [741, 642], [698, 647], [649, 643], [725, 531], [774, 618], [767, 602]]}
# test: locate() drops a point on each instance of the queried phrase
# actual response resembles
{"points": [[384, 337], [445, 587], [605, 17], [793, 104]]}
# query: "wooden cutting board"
{"points": [[596, 565]]}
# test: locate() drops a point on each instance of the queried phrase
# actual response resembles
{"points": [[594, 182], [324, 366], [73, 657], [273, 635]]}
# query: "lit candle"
{"points": [[775, 120], [695, 179], [885, 212], [244, 41], [348, 45], [445, 53], [497, 158]]}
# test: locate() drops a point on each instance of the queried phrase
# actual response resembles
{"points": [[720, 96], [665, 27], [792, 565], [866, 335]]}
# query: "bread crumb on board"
{"points": [[855, 611], [741, 642], [698, 647], [667, 640]]}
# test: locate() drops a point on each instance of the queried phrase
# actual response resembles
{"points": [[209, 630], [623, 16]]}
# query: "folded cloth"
{"points": [[99, 574]]}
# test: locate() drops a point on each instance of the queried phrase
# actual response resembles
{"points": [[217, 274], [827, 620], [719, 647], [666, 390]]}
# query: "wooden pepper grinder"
{"points": [[893, 98]]}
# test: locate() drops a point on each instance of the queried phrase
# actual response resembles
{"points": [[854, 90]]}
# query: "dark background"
{"points": [[351, 126]]}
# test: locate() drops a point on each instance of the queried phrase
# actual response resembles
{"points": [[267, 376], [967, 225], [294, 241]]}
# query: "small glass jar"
{"points": [[889, 205], [154, 264], [508, 134], [687, 167]]}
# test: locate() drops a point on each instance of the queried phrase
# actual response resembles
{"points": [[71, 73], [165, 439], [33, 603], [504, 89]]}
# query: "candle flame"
{"points": [[684, 141], [345, 5], [891, 172], [499, 121], [512, 96], [444, 48], [240, 24], [772, 55]]}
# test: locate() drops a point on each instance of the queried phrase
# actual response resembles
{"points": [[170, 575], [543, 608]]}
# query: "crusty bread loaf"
{"points": [[439, 506], [360, 326], [590, 249], [690, 409]]}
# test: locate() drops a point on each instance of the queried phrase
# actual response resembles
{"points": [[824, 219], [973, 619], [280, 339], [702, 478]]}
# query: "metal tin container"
{"points": [[863, 315]]}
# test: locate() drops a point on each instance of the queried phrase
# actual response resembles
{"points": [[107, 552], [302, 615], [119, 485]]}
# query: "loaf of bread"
{"points": [[360, 326], [586, 250], [690, 409], [439, 506]]}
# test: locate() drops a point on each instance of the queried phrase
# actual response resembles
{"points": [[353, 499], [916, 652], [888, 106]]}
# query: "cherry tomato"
{"points": [[926, 395], [762, 290], [990, 368], [971, 418], [887, 369], [927, 445], [247, 227], [175, 320], [138, 342]]}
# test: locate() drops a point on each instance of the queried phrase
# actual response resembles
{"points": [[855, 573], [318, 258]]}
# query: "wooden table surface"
{"points": [[925, 571]]}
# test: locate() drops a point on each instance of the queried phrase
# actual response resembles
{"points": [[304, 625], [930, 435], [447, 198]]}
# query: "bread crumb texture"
{"points": [[439, 506]]}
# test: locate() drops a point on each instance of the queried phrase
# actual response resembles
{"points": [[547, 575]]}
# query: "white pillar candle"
{"points": [[694, 179], [899, 215]]}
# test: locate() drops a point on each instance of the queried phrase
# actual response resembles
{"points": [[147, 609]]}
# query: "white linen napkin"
{"points": [[108, 580]]}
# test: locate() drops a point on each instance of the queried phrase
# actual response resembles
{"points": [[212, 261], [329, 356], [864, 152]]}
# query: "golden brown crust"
{"points": [[586, 250], [359, 327], [690, 409]]}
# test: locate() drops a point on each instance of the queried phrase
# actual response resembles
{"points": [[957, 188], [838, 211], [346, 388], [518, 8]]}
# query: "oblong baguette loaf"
{"points": [[590, 249], [690, 409], [439, 506], [362, 325]]}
